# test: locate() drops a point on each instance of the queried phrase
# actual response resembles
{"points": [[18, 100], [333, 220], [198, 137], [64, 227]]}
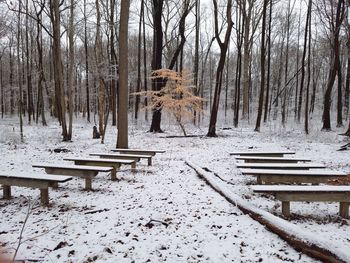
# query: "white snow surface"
{"points": [[164, 212]]}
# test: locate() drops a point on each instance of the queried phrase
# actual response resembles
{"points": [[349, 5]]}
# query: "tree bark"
{"points": [[335, 65], [221, 64], [58, 66], [262, 62], [157, 59], [122, 140]]}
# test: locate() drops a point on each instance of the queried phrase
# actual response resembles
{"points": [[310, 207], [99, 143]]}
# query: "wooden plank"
{"points": [[95, 161], [44, 196], [78, 173], [263, 153], [25, 182], [286, 208], [135, 157], [257, 159], [37, 177], [301, 188], [6, 191], [292, 172], [292, 166], [294, 179], [138, 151], [73, 167], [313, 196], [344, 209]]}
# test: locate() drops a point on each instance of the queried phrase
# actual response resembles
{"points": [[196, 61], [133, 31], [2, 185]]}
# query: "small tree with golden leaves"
{"points": [[175, 97]]}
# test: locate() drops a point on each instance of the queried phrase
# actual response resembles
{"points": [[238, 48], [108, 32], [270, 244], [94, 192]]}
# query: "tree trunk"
{"points": [[86, 65], [335, 65], [306, 121], [139, 82], [268, 81], [219, 71], [28, 71], [247, 16], [58, 66], [262, 62], [145, 74], [20, 100], [122, 140], [157, 59], [113, 66], [71, 68], [41, 77]]}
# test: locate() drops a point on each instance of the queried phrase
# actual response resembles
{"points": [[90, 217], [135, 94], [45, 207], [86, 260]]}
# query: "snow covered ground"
{"points": [[164, 212]]}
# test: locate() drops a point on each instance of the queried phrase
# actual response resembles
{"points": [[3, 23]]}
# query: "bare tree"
{"points": [[219, 71], [334, 18]]}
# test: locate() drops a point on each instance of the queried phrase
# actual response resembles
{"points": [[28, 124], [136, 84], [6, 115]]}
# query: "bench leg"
{"points": [[6, 191], [88, 184], [133, 167], [149, 161], [114, 174], [286, 208], [344, 209], [44, 196], [258, 179]]}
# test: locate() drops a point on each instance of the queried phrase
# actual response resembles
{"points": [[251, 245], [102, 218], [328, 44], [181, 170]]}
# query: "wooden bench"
{"points": [[135, 157], [280, 166], [299, 193], [265, 176], [82, 171], [258, 159], [41, 181], [263, 153], [114, 163], [137, 151]]}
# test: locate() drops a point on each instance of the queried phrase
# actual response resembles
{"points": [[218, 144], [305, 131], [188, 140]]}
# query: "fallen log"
{"points": [[298, 238]]}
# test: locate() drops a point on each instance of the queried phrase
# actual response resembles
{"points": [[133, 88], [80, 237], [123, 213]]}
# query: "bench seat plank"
{"points": [[114, 163], [301, 188], [291, 166], [138, 151], [41, 181], [263, 153], [265, 176], [82, 171], [292, 172], [324, 193], [259, 159], [37, 177], [135, 157], [73, 167]]}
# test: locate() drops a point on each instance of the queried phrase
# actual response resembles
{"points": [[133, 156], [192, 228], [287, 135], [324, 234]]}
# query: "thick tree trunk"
{"points": [[58, 67], [262, 62], [247, 16], [157, 59], [122, 140], [335, 66], [41, 77]]}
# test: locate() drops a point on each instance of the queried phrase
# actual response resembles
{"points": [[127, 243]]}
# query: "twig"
{"points": [[30, 206]]}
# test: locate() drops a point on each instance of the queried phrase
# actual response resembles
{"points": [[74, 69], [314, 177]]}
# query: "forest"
{"points": [[246, 61]]}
